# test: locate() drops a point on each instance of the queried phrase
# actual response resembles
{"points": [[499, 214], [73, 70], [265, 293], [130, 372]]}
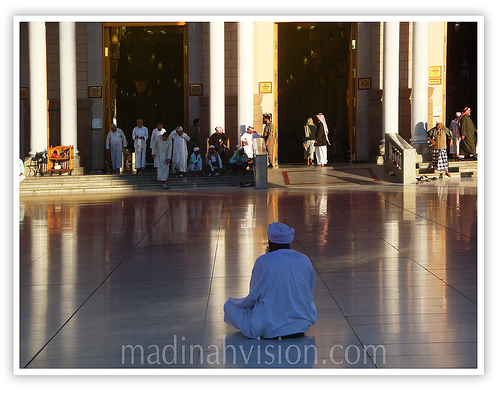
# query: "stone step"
{"points": [[469, 167], [64, 184]]}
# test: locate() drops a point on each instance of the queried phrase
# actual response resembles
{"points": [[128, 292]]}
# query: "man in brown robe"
{"points": [[268, 135], [194, 135], [468, 134]]}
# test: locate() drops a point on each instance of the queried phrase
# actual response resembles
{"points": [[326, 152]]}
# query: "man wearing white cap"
{"points": [[280, 302], [437, 137], [213, 162], [196, 163], [179, 150]]}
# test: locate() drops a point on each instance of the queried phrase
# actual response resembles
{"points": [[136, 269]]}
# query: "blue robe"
{"points": [[280, 301]]}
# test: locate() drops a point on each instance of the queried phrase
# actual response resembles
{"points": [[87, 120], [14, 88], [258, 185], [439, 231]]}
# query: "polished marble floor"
{"points": [[139, 280]]}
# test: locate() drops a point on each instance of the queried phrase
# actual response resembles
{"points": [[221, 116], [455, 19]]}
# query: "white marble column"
{"points": [[38, 87], [217, 88], [390, 99], [420, 83], [67, 64], [245, 75]]}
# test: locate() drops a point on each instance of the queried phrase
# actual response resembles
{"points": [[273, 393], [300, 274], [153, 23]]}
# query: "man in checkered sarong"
{"points": [[437, 138]]}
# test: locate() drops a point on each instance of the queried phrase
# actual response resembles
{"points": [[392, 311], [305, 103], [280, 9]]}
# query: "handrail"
{"points": [[401, 157]]}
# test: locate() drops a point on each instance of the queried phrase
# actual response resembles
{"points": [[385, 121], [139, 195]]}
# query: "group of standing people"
{"points": [[316, 141], [181, 150], [165, 147], [461, 139]]}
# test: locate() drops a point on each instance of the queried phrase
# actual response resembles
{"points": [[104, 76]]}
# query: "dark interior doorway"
{"points": [[461, 66], [313, 77], [147, 77]]}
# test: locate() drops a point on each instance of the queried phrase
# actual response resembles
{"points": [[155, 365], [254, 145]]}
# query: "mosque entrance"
{"points": [[145, 68], [461, 68], [315, 75]]}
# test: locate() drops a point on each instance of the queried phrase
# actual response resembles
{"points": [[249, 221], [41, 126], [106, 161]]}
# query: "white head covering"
{"points": [[180, 129], [279, 233], [196, 149], [322, 120], [458, 114]]}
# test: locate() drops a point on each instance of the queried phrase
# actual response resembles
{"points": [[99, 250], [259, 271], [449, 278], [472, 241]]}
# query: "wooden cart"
{"points": [[60, 159]]}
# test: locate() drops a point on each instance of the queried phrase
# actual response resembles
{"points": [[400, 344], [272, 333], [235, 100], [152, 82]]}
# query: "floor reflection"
{"points": [[396, 266]]}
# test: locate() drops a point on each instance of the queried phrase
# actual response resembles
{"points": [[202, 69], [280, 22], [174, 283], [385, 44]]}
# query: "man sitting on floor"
{"points": [[280, 302]]}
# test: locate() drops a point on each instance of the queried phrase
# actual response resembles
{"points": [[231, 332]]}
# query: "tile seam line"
{"points": [[95, 290], [326, 286], [211, 281], [429, 220], [413, 260]]}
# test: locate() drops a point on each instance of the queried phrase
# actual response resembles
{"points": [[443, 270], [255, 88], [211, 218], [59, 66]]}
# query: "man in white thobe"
{"points": [[140, 136], [159, 130], [115, 142], [179, 150], [247, 141], [280, 302], [162, 153]]}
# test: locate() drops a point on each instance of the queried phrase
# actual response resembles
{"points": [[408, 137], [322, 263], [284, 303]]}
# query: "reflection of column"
{"points": [[390, 298], [419, 99], [217, 91], [67, 63], [38, 87], [69, 267], [245, 75], [390, 112]]}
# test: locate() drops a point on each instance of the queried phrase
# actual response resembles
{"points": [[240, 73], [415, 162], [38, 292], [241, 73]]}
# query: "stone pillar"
{"points": [[67, 64], [217, 88], [390, 107], [420, 87], [38, 87], [375, 124], [245, 76]]}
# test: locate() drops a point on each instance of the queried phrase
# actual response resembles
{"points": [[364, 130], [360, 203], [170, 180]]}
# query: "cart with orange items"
{"points": [[60, 159]]}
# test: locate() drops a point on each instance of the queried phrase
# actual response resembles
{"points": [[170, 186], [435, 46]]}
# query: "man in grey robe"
{"points": [[162, 153], [115, 141]]}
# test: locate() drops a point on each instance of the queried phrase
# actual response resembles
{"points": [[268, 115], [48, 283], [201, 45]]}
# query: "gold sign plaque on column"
{"points": [[265, 87], [434, 72], [365, 83], [196, 89], [95, 92]]}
